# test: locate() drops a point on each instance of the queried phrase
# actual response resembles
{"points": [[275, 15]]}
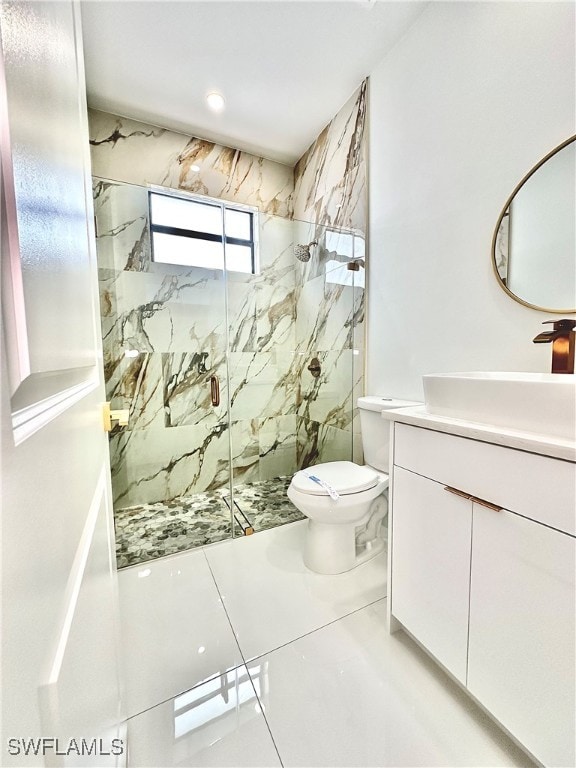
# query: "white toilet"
{"points": [[344, 531]]}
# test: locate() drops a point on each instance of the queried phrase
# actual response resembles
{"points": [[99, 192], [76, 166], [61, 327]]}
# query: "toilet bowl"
{"points": [[346, 503], [331, 545]]}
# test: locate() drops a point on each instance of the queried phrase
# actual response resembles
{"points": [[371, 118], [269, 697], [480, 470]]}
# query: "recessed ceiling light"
{"points": [[215, 101], [195, 168]]}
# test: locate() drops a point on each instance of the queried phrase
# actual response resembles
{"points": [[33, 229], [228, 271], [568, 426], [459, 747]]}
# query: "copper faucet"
{"points": [[563, 339]]}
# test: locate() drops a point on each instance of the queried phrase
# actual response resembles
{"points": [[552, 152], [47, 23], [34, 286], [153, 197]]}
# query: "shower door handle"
{"points": [[215, 390]]}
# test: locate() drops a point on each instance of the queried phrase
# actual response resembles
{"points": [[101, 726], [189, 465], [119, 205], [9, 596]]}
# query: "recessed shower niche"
{"points": [[213, 366]]}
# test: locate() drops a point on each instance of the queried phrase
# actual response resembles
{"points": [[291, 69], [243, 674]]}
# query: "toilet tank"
{"points": [[376, 430]]}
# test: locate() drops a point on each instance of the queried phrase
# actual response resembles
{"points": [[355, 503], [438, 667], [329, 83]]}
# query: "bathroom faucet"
{"points": [[563, 339]]}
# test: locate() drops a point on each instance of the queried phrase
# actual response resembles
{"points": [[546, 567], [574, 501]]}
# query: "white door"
{"points": [[59, 664]]}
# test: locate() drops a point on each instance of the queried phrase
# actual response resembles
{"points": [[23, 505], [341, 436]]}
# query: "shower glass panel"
{"points": [[285, 345], [164, 341], [293, 362]]}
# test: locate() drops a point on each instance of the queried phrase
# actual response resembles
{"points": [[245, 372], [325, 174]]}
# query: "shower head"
{"points": [[302, 252]]}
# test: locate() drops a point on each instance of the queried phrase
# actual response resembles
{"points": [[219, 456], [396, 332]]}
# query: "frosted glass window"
{"points": [[238, 224], [238, 258], [186, 214], [171, 249], [192, 232]]}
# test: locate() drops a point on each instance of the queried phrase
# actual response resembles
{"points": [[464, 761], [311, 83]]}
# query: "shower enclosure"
{"points": [[233, 379]]}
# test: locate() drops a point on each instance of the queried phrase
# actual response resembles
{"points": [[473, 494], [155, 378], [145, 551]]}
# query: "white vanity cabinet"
{"points": [[431, 567], [521, 644], [483, 569]]}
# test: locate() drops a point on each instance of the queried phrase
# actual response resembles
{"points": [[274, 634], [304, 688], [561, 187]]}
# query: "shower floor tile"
{"points": [[148, 531]]}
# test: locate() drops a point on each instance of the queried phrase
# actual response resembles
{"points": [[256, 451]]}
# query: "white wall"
{"points": [[464, 105]]}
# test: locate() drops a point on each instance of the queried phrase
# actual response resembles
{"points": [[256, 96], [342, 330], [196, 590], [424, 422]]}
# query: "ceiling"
{"points": [[284, 68]]}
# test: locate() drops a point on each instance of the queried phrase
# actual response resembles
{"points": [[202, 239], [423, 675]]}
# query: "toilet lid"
{"points": [[344, 476]]}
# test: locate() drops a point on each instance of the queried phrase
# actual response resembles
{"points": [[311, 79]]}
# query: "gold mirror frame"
{"points": [[499, 222]]}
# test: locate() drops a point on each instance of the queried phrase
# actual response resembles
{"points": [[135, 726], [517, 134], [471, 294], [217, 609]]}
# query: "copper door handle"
{"points": [[215, 390]]}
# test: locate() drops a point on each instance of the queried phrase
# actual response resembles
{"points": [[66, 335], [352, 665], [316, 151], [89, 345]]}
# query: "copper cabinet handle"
{"points": [[487, 504], [456, 492], [474, 499], [215, 390]]}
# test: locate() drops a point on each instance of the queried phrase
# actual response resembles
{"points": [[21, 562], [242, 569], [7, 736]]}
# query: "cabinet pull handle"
{"points": [[456, 492], [487, 504], [215, 390]]}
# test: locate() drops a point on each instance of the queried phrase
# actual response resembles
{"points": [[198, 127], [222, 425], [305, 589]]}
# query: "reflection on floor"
{"points": [[148, 531], [236, 655]]}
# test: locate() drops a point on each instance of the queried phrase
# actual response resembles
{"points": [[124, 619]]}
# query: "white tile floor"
{"points": [[237, 655]]}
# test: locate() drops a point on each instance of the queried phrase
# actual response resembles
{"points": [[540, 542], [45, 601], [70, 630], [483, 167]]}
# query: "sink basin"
{"points": [[532, 402]]}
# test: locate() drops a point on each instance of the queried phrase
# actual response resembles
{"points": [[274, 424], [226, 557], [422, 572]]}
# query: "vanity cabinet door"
{"points": [[521, 663], [431, 566]]}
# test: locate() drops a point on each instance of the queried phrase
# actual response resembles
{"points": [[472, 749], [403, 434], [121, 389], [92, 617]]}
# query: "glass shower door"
{"points": [[235, 374], [165, 359], [263, 380]]}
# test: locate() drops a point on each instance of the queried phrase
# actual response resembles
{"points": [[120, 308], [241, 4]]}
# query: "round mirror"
{"points": [[534, 244]]}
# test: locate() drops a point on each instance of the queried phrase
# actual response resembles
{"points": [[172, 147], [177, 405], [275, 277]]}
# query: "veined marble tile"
{"points": [[261, 384], [107, 279], [158, 464], [244, 443], [122, 230], [230, 174], [345, 205], [277, 440], [337, 151], [139, 153], [242, 317], [319, 443], [187, 392], [174, 317], [276, 241], [136, 383], [131, 151], [276, 316], [262, 315], [328, 398], [324, 316], [169, 313]]}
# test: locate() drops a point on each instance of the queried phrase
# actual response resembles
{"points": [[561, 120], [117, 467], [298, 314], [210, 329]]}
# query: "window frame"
{"points": [[194, 234]]}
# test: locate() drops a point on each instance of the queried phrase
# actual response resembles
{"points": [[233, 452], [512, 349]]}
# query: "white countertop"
{"points": [[513, 438]]}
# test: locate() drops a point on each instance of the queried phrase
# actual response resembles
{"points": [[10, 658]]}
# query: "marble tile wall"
{"points": [[138, 153], [330, 190], [330, 177], [163, 324], [165, 334]]}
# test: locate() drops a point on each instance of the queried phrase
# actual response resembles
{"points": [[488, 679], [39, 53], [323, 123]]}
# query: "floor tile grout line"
{"points": [[262, 710], [316, 629], [185, 690], [211, 677], [252, 659]]}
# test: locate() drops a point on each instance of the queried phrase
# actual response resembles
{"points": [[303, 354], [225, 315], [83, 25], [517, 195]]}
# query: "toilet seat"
{"points": [[345, 477]]}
